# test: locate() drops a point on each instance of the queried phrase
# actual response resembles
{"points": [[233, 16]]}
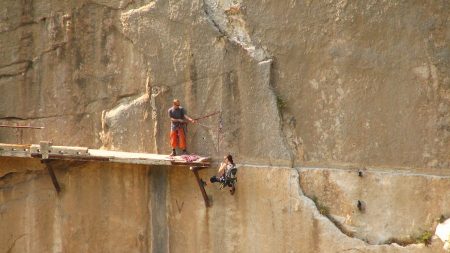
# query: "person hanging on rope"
{"points": [[178, 119], [226, 175]]}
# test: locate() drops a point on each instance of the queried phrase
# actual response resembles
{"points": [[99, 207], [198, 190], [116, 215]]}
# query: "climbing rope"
{"points": [[190, 158], [219, 131], [219, 126]]}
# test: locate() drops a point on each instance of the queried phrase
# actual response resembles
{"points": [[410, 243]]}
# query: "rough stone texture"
{"points": [[400, 204], [323, 83], [117, 208], [102, 208], [364, 82], [355, 83]]}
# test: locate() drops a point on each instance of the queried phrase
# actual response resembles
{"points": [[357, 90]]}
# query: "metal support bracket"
{"points": [[52, 174], [201, 185]]}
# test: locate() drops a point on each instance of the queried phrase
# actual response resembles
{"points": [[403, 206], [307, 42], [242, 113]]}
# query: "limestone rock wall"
{"points": [[330, 83], [394, 204], [364, 83], [117, 208], [102, 208]]}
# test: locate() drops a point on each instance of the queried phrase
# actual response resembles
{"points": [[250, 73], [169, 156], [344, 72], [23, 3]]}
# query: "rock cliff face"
{"points": [[117, 208], [309, 92]]}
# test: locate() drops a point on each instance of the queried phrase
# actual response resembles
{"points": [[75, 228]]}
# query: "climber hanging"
{"points": [[226, 175]]}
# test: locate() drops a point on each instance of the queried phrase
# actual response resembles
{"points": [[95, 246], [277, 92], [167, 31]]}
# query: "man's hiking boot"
{"points": [[184, 152], [173, 153]]}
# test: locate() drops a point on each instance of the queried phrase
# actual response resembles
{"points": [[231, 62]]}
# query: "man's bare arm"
{"points": [[189, 118]]}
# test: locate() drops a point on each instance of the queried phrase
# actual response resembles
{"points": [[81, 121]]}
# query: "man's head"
{"points": [[176, 103]]}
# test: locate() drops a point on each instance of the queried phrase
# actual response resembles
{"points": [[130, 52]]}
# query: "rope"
{"points": [[208, 115], [218, 135], [203, 125], [190, 158]]}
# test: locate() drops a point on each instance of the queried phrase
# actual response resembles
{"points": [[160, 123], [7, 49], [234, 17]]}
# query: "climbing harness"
{"points": [[229, 179]]}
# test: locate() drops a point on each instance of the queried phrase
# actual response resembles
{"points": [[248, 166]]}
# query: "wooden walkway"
{"points": [[46, 152]]}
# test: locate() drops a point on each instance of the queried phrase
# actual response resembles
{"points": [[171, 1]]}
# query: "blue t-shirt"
{"points": [[176, 114]]}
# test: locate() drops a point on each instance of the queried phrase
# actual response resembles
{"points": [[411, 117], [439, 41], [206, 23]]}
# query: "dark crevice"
{"points": [[52, 48], [7, 175], [47, 117], [24, 24], [27, 67], [14, 243], [14, 63], [115, 30], [207, 12], [11, 118], [10, 75], [323, 210]]}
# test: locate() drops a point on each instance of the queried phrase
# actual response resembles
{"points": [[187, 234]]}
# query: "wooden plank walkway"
{"points": [[46, 151]]}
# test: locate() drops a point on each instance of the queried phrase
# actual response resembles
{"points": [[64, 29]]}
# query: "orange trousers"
{"points": [[178, 138]]}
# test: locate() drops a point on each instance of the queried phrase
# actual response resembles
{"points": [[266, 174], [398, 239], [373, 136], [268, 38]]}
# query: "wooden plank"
{"points": [[45, 150], [18, 146], [201, 186]]}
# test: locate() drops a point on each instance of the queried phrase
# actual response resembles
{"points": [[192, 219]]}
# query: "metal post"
{"points": [[52, 176], [201, 186]]}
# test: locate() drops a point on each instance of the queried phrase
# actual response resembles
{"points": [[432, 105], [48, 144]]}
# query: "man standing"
{"points": [[178, 118]]}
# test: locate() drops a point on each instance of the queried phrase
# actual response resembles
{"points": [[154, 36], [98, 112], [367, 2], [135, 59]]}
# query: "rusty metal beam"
{"points": [[31, 127], [201, 186], [52, 175]]}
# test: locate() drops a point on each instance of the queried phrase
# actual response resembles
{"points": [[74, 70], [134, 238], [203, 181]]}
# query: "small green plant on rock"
{"points": [[323, 210], [281, 103], [425, 238]]}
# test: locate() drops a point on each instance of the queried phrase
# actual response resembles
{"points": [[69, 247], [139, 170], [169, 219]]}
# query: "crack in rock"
{"points": [[228, 19], [340, 227], [14, 243]]}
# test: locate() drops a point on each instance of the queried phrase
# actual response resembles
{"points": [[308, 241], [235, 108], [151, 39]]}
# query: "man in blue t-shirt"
{"points": [[178, 119]]}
